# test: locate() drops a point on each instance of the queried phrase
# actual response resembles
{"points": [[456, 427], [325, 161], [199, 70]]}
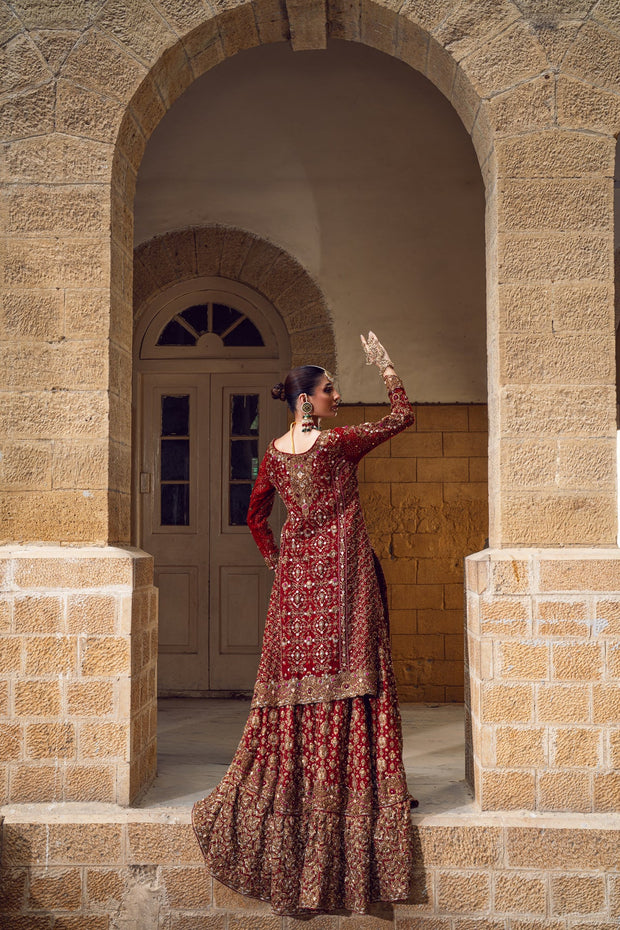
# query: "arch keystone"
{"points": [[308, 23]]}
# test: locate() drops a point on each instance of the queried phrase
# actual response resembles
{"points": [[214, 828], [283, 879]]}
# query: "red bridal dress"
{"points": [[314, 813]]}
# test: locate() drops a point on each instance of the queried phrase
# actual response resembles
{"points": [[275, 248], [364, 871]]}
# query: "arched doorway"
{"points": [[207, 351]]}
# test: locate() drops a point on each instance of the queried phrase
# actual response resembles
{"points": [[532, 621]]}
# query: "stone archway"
{"points": [[244, 257], [85, 90]]}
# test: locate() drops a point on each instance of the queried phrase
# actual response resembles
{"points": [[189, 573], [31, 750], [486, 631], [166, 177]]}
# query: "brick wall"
{"points": [[543, 703], [149, 875], [78, 649], [424, 495]]}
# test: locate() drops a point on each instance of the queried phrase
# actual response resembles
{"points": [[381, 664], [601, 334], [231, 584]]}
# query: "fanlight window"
{"points": [[209, 325]]}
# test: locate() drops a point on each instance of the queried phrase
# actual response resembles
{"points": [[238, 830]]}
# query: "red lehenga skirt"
{"points": [[313, 813]]}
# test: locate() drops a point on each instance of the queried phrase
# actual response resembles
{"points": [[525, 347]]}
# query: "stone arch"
{"points": [[537, 88], [241, 256]]}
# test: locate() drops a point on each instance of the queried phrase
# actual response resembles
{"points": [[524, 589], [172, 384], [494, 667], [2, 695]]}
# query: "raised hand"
{"points": [[376, 354]]}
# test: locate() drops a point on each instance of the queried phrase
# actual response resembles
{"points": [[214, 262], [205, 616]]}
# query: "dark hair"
{"points": [[302, 380]]}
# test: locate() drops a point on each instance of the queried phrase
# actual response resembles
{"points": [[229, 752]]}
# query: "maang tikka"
{"points": [[307, 423]]}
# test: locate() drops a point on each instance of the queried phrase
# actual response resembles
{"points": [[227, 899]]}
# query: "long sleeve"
{"points": [[357, 441], [261, 503]]}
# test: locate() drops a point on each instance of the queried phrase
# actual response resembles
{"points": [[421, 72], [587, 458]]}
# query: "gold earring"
{"points": [[307, 423]]}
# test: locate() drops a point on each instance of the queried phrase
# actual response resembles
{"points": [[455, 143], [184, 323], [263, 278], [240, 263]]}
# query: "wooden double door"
{"points": [[202, 438]]}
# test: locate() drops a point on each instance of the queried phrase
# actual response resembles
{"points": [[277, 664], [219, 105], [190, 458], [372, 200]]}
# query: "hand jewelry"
{"points": [[376, 354]]}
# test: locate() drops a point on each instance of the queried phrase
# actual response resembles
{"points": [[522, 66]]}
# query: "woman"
{"points": [[313, 813]]}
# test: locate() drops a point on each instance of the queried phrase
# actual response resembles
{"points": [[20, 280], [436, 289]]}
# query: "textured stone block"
{"points": [[12, 892], [263, 922], [90, 783], [521, 746], [48, 416], [82, 465], [26, 466], [73, 568], [577, 661], [87, 312], [10, 654], [577, 894], [4, 698], [104, 741], [50, 741], [90, 699], [579, 575], [213, 922], [576, 747], [565, 791], [10, 742], [38, 613], [463, 891], [105, 887], [162, 844], [37, 698], [581, 105], [507, 791], [83, 111], [61, 211], [36, 784], [519, 893], [507, 703], [58, 889], [552, 410], [505, 617], [509, 576], [187, 887], [564, 848], [561, 618], [562, 703], [542, 358], [607, 617], [546, 519], [523, 660], [94, 614], [46, 655], [45, 262], [83, 922], [606, 704], [105, 656], [554, 154], [463, 847], [607, 792], [555, 204]]}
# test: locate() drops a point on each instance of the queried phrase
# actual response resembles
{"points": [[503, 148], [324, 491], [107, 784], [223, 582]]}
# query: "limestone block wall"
{"points": [[425, 496], [148, 875], [77, 674], [543, 702]]}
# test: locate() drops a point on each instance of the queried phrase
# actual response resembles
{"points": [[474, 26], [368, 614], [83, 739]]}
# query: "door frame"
{"points": [[273, 358]]}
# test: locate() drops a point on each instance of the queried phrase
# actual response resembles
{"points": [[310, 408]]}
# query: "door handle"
{"points": [[145, 482]]}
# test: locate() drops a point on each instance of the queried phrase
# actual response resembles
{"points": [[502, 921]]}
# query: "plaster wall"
{"points": [[359, 168]]}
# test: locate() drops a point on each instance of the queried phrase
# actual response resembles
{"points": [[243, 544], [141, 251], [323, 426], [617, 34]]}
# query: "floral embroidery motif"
{"points": [[313, 813]]}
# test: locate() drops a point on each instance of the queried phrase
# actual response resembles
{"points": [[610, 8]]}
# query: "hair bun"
{"points": [[278, 392]]}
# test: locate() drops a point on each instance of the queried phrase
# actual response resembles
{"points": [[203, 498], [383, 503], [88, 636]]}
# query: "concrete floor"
{"points": [[197, 739]]}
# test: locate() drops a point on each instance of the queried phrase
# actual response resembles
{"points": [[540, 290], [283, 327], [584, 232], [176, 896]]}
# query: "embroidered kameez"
{"points": [[314, 813]]}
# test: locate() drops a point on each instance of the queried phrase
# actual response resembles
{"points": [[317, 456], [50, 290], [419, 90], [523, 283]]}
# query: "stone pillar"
{"points": [[78, 674], [543, 662], [552, 476]]}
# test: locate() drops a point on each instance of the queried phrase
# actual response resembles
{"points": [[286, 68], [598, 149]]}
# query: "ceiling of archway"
{"points": [[359, 168]]}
